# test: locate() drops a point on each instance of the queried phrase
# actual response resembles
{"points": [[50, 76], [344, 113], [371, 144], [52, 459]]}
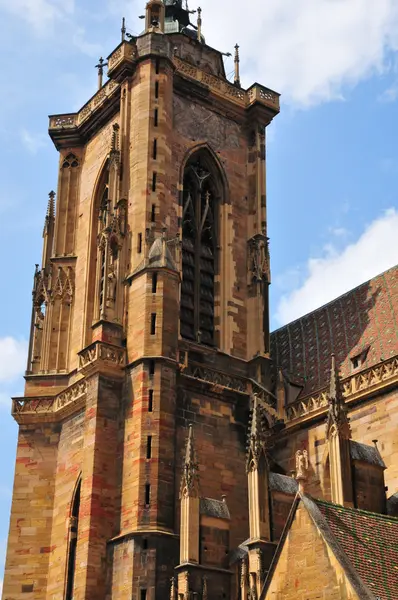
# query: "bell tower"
{"points": [[150, 312]]}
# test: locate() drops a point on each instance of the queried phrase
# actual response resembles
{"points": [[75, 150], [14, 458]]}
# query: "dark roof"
{"points": [[392, 505], [238, 553], [368, 454], [214, 508], [370, 542], [283, 483], [363, 319]]}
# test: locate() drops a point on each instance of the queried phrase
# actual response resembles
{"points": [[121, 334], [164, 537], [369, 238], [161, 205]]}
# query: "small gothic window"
{"points": [[70, 161], [73, 533], [199, 247]]}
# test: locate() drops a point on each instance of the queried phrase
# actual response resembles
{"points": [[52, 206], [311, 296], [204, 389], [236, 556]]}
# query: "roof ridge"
{"points": [[355, 510], [311, 312]]}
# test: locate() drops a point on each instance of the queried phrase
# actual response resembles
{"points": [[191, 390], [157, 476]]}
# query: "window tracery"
{"points": [[110, 233], [70, 161], [199, 249]]}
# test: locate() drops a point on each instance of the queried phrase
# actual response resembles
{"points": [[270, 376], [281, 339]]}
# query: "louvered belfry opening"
{"points": [[199, 247]]}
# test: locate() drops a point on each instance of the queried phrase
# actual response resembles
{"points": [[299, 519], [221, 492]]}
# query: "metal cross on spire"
{"points": [[101, 64]]}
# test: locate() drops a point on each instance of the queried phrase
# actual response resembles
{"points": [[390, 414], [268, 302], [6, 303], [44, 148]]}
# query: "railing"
{"points": [[354, 387], [126, 51], [45, 404], [108, 354], [75, 119], [256, 93], [63, 121], [105, 352]]}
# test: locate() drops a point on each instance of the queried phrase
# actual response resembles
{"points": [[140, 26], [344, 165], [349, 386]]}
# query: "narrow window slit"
{"points": [[154, 282], [150, 401], [154, 180], [153, 323], [156, 118], [149, 447], [139, 243], [155, 148], [157, 89], [147, 494]]}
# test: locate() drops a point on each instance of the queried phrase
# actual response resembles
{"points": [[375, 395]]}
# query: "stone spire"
{"points": [[48, 230], [337, 414], [190, 477]]}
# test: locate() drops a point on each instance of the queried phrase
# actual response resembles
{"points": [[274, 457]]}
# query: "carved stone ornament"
{"points": [[259, 262], [301, 464], [190, 477]]}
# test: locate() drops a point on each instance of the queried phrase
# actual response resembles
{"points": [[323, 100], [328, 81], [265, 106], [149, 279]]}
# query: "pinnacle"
{"points": [[334, 386], [337, 414], [190, 467]]}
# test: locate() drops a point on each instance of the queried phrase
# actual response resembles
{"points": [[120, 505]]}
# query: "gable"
{"points": [[306, 566]]}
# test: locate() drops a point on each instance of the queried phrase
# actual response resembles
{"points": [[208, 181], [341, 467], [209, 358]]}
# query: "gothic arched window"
{"points": [[73, 531], [201, 196]]}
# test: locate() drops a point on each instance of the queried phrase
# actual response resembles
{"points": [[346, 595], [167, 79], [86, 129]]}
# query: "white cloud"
{"points": [[337, 272], [309, 50], [82, 44], [12, 358], [390, 94], [339, 232], [33, 142], [41, 15]]}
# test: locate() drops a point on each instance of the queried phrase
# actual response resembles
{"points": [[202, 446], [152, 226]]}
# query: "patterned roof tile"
{"points": [[364, 318], [370, 541]]}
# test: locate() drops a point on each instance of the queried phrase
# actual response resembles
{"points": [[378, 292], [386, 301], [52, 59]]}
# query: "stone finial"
{"points": [[199, 24], [123, 29], [190, 478], [301, 468], [173, 589], [237, 70], [337, 419], [115, 137], [50, 213]]}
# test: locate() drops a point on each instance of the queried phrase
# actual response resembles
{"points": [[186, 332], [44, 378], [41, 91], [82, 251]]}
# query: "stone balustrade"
{"points": [[354, 387]]}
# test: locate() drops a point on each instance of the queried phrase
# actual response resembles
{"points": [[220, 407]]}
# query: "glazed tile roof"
{"points": [[363, 320], [370, 542]]}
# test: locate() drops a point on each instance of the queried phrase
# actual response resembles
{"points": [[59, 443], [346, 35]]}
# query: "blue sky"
{"points": [[332, 166]]}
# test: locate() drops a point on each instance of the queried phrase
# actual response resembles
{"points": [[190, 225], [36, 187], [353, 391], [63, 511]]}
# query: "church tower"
{"points": [[150, 312]]}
